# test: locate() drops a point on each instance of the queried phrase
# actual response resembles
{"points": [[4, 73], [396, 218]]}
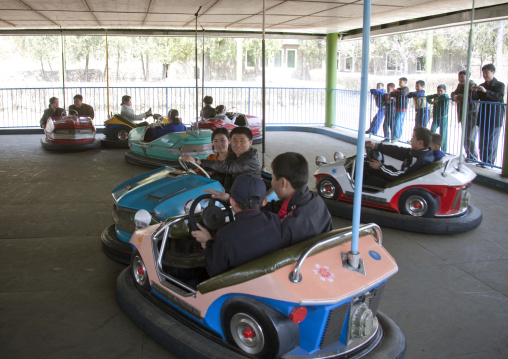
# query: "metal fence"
{"points": [[22, 107], [485, 123]]}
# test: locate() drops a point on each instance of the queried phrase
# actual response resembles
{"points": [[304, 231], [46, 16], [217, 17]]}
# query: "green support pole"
{"points": [[331, 77], [429, 54]]}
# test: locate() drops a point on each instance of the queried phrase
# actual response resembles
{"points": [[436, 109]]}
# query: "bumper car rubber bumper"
{"points": [[439, 225], [49, 146], [111, 143], [187, 339], [148, 162], [115, 249]]}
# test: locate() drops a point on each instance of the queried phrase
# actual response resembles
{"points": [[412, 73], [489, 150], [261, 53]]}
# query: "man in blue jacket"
{"points": [[377, 94]]}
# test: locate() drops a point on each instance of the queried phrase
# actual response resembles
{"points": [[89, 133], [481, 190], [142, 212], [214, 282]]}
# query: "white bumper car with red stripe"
{"points": [[69, 133], [433, 199]]}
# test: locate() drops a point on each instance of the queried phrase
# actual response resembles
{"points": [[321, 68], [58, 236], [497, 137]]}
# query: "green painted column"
{"points": [[239, 59], [429, 53], [331, 77]]}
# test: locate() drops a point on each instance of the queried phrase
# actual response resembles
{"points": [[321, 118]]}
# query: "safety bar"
{"points": [[295, 275]]}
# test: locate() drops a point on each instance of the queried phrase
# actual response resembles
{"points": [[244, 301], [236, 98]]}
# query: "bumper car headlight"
{"points": [[338, 156], [320, 160], [362, 322], [142, 218]]}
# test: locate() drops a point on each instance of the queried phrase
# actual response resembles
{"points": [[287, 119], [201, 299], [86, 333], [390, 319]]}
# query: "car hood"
{"points": [[175, 139], [72, 122], [163, 192]]}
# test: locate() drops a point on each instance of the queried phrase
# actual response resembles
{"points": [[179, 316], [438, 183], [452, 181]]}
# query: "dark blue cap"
{"points": [[248, 189]]}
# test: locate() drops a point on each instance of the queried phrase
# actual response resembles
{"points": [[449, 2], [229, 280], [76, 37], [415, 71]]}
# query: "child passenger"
{"points": [[441, 103], [422, 115], [435, 145]]}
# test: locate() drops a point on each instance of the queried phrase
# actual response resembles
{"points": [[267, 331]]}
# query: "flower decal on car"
{"points": [[324, 273]]}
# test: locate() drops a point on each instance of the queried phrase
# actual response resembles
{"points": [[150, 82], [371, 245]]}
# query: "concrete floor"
{"points": [[57, 288]]}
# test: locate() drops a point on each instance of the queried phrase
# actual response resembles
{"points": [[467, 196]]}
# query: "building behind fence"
{"points": [[23, 107]]}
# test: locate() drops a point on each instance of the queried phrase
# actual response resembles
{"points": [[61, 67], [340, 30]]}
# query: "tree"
{"points": [[253, 50], [78, 48], [311, 56], [173, 49], [40, 48]]}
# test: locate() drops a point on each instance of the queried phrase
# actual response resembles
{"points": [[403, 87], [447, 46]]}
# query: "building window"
{"points": [[348, 63], [291, 63], [277, 60], [250, 60]]}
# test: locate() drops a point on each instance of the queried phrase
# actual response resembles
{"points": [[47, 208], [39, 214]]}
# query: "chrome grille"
{"points": [[124, 219], [376, 299], [334, 325]]}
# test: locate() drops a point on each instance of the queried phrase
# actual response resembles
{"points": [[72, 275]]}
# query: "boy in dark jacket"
{"points": [[253, 233], [302, 213], [401, 100], [389, 105], [378, 174], [435, 144]]}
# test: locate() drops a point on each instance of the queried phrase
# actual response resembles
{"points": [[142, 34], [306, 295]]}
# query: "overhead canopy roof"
{"points": [[303, 16]]}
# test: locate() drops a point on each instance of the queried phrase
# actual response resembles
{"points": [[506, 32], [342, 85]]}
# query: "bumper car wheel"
{"points": [[419, 203], [138, 271], [328, 188], [121, 134]]}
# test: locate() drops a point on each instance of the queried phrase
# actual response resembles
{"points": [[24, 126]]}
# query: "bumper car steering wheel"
{"points": [[186, 168], [213, 217], [373, 154]]}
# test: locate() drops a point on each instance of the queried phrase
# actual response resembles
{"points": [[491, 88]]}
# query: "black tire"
{"points": [[328, 188], [419, 203], [256, 329], [138, 272], [393, 344], [115, 249], [122, 134]]}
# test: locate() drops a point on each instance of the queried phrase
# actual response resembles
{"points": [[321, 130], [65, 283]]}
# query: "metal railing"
{"points": [[485, 123], [23, 107]]}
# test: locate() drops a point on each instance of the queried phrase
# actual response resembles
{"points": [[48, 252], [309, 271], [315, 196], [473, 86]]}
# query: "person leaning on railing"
{"points": [[490, 115], [52, 111], [471, 116]]}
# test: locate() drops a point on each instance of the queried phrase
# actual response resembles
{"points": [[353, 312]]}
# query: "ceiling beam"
{"points": [[160, 32], [459, 18]]}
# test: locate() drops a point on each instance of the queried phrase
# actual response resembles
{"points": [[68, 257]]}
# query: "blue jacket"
{"points": [[378, 95], [170, 127]]}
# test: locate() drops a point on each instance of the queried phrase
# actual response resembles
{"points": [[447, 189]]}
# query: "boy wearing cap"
{"points": [[440, 102], [253, 233], [302, 213]]}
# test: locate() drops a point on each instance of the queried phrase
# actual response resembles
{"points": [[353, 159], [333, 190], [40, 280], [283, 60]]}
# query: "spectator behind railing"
{"points": [[389, 105], [440, 104], [471, 116], [401, 103], [422, 113], [490, 115], [377, 93]]}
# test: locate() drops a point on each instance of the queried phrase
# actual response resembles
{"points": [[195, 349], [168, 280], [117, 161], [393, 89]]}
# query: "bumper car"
{"points": [[433, 199], [254, 123], [163, 193], [302, 301], [117, 128], [165, 150], [69, 133]]}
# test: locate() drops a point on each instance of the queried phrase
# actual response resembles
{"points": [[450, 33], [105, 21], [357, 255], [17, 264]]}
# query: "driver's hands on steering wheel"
{"points": [[202, 235], [370, 144], [375, 164]]}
